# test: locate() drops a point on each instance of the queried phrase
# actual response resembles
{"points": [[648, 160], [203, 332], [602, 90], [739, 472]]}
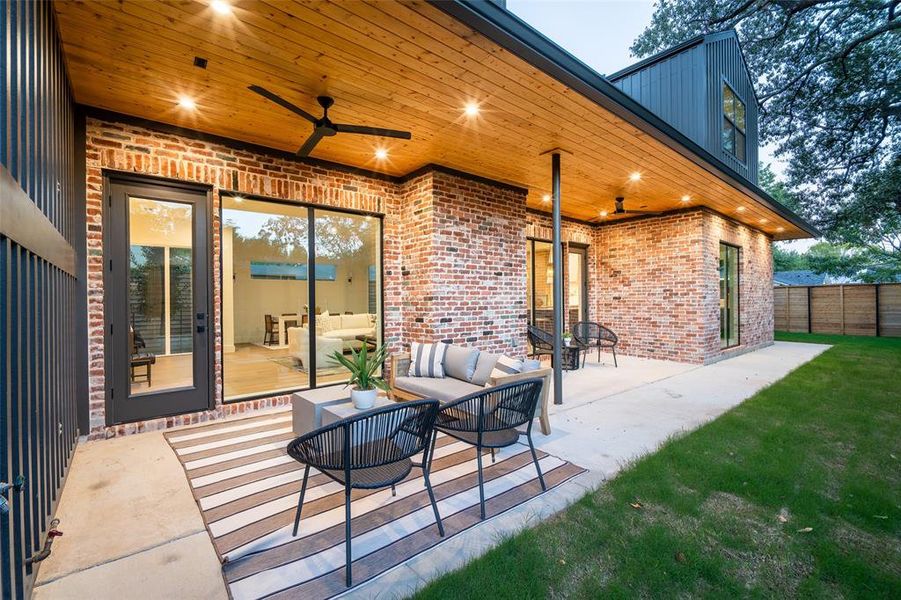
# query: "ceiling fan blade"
{"points": [[282, 102], [311, 142], [379, 131]]}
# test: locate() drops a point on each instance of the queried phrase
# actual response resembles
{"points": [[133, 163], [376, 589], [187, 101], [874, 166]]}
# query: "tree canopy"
{"points": [[828, 79]]}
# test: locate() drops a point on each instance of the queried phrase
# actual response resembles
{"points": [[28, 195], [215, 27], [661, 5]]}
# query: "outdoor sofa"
{"points": [[461, 379]]}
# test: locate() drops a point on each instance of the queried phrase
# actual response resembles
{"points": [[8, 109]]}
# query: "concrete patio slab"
{"points": [[127, 506]]}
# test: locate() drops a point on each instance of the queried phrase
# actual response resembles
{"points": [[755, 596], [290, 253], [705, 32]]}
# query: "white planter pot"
{"points": [[567, 341], [363, 399]]}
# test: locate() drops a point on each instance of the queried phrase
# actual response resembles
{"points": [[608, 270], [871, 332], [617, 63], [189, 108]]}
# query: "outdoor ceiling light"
{"points": [[471, 109], [780, 229], [686, 198], [740, 209], [221, 7], [381, 153], [187, 103], [604, 213], [546, 198], [635, 176], [763, 220]]}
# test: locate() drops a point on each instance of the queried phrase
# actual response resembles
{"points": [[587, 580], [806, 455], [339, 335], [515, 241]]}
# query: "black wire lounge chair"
{"points": [[369, 451], [542, 342], [594, 334], [489, 419]]}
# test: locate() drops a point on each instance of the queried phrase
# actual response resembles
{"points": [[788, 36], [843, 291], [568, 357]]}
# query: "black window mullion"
{"points": [[311, 291]]}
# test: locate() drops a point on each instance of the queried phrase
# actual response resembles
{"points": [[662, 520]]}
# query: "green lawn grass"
{"points": [[794, 493]]}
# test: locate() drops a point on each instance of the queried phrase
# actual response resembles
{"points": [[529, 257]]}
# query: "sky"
{"points": [[599, 33]]}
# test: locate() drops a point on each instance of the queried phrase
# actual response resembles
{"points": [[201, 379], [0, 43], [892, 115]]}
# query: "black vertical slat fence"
{"points": [[38, 304]]}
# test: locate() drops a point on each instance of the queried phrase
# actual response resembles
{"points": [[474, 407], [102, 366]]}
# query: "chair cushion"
{"points": [[484, 366], [444, 389], [427, 360], [460, 362]]}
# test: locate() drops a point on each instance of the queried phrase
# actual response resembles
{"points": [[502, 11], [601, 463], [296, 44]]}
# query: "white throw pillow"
{"points": [[504, 366], [427, 360], [324, 323]]}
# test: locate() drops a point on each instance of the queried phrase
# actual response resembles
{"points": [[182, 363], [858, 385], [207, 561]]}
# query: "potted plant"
{"points": [[362, 365], [567, 338]]}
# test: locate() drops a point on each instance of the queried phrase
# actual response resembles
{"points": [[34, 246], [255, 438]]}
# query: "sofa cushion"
{"points": [[505, 366], [484, 366], [349, 334], [460, 362], [358, 321], [445, 389], [427, 360]]}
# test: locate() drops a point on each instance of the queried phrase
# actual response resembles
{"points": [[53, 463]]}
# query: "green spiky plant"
{"points": [[362, 365]]}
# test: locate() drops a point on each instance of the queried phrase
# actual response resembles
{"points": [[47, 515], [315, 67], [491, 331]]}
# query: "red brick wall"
{"points": [[657, 285], [649, 292], [424, 217], [464, 248], [755, 286]]}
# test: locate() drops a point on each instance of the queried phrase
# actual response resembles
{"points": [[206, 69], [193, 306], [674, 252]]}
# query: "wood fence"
{"points": [[853, 309]]}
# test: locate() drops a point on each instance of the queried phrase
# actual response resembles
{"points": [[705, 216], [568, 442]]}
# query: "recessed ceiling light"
{"points": [[187, 103], [780, 229], [604, 213], [381, 153], [221, 6], [635, 176], [471, 109], [546, 198], [686, 198], [764, 220], [740, 209]]}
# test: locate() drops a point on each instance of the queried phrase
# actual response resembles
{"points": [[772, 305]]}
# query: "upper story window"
{"points": [[734, 127]]}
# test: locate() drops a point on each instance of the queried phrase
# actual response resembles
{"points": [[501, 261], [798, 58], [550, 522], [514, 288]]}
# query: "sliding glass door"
{"points": [[270, 300], [540, 283]]}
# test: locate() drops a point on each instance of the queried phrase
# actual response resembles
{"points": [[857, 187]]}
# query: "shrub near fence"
{"points": [[853, 309]]}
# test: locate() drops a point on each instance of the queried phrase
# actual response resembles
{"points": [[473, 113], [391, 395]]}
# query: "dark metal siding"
{"points": [[725, 62], [674, 90], [685, 90], [38, 354]]}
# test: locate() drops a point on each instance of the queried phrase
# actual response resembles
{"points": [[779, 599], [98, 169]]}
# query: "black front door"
{"points": [[157, 249]]}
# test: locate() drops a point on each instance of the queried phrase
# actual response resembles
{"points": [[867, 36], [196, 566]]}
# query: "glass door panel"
{"points": [[265, 297], [578, 285], [347, 289], [157, 301], [729, 301]]}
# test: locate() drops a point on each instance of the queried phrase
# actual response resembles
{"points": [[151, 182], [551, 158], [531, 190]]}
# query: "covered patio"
{"points": [[138, 532]]}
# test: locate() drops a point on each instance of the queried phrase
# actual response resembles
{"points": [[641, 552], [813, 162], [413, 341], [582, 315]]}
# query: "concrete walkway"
{"points": [[132, 529]]}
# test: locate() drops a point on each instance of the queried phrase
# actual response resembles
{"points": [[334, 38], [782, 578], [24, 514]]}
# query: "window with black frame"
{"points": [[729, 286], [734, 124]]}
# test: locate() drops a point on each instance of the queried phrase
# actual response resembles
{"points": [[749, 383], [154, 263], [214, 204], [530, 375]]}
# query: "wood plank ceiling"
{"points": [[388, 64]]}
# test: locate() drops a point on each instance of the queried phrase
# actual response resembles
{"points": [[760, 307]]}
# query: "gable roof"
{"points": [[703, 38]]}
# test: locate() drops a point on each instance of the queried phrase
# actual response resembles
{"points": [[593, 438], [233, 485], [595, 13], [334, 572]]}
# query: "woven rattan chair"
{"points": [[369, 451], [489, 419], [542, 342], [594, 334]]}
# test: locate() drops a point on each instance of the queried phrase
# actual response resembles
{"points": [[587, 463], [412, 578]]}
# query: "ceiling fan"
{"points": [[619, 209], [323, 126]]}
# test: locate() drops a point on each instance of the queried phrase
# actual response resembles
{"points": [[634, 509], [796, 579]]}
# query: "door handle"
{"points": [[201, 319]]}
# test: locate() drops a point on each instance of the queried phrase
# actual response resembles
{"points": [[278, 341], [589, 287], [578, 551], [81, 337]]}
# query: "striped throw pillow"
{"points": [[504, 366], [427, 360]]}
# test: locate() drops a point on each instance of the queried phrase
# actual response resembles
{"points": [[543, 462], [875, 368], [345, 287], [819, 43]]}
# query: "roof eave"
{"points": [[510, 32]]}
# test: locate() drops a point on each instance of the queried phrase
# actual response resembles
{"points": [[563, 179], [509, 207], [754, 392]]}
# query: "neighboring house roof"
{"points": [[798, 278], [517, 36]]}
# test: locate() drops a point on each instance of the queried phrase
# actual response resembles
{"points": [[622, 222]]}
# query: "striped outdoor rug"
{"points": [[247, 488]]}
